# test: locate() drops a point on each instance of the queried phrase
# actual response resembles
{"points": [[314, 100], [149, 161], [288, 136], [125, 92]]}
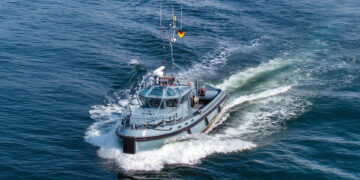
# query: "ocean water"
{"points": [[291, 69]]}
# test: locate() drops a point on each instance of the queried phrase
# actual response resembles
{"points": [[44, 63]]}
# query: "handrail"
{"points": [[145, 119]]}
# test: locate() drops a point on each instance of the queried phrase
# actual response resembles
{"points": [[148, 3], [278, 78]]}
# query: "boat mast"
{"points": [[173, 39], [180, 16], [162, 29]]}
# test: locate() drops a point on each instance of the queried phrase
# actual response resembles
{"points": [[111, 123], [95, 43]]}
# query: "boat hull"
{"points": [[143, 140]]}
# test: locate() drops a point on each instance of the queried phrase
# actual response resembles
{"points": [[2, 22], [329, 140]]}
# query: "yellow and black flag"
{"points": [[180, 33]]}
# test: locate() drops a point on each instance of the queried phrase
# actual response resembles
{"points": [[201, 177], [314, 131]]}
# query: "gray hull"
{"points": [[136, 140]]}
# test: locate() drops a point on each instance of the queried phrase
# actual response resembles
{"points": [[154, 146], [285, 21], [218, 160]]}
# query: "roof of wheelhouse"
{"points": [[159, 91]]}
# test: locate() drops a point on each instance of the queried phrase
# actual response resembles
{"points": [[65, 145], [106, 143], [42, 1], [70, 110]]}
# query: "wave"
{"points": [[267, 116], [189, 152], [134, 62], [207, 4], [240, 78], [212, 61], [246, 98]]}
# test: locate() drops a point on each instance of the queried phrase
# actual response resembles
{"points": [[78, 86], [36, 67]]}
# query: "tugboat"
{"points": [[167, 107]]}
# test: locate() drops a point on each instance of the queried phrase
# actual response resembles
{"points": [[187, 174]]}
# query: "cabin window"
{"points": [[156, 91], [185, 98], [170, 92], [143, 100], [144, 91], [177, 90], [183, 89], [171, 102], [156, 102]]}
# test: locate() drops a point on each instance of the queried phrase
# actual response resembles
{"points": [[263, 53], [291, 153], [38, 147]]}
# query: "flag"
{"points": [[180, 33]]}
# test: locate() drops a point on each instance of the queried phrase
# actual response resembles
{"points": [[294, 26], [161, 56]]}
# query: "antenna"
{"points": [[163, 33], [181, 17], [174, 17], [160, 16], [172, 39]]}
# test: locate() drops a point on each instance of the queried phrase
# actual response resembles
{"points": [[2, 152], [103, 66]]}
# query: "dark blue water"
{"points": [[291, 70]]}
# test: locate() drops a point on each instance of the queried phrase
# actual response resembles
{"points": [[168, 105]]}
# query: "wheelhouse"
{"points": [[159, 96]]}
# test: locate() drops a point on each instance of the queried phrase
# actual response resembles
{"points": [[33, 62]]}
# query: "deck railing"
{"points": [[151, 120], [169, 118]]}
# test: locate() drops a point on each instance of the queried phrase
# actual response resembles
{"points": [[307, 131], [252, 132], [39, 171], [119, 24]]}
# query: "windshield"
{"points": [[173, 92], [144, 91], [143, 100], [170, 92], [157, 91], [151, 102], [183, 89], [155, 103], [185, 98], [171, 102]]}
